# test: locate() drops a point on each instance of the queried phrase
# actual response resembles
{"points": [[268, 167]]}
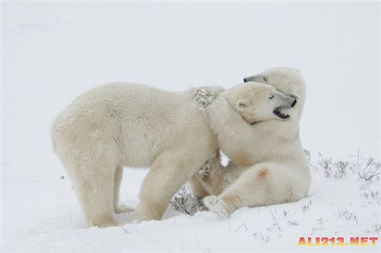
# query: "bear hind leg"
{"points": [[96, 198], [93, 177], [252, 188]]}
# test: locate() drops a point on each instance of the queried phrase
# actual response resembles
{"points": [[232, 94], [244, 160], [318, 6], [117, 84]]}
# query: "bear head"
{"points": [[285, 79], [256, 102]]}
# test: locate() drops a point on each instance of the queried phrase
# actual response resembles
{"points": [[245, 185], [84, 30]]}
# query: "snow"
{"points": [[43, 216], [53, 52]]}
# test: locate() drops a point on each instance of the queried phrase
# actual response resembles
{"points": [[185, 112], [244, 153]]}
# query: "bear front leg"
{"points": [[169, 171], [198, 190]]}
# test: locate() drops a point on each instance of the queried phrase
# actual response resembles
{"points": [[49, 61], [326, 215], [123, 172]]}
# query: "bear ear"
{"points": [[242, 104]]}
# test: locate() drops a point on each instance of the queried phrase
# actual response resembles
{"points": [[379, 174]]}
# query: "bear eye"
{"points": [[272, 96]]}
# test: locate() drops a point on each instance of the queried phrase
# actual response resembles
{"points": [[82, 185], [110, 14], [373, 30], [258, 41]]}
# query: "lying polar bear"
{"points": [[267, 161], [123, 124]]}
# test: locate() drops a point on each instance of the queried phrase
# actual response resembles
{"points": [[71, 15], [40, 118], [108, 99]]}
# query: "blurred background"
{"points": [[54, 52]]}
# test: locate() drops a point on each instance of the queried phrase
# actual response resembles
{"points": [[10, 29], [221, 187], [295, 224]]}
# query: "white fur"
{"points": [[123, 124], [216, 205], [267, 161]]}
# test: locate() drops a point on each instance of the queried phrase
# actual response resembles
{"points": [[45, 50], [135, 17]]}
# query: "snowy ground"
{"points": [[42, 215], [52, 52]]}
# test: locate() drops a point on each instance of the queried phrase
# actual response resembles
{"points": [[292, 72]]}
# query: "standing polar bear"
{"points": [[123, 124], [118, 125], [267, 161]]}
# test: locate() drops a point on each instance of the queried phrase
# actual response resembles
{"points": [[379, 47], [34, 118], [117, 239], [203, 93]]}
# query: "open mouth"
{"points": [[278, 112]]}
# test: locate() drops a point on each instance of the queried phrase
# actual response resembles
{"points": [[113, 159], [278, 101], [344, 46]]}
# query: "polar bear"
{"points": [[251, 102], [123, 124], [267, 161]]}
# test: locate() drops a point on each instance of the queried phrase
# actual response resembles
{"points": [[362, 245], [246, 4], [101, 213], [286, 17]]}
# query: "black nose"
{"points": [[245, 80], [293, 103]]}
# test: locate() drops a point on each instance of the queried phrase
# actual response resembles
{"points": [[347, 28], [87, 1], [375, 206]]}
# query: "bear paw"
{"points": [[216, 205]]}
